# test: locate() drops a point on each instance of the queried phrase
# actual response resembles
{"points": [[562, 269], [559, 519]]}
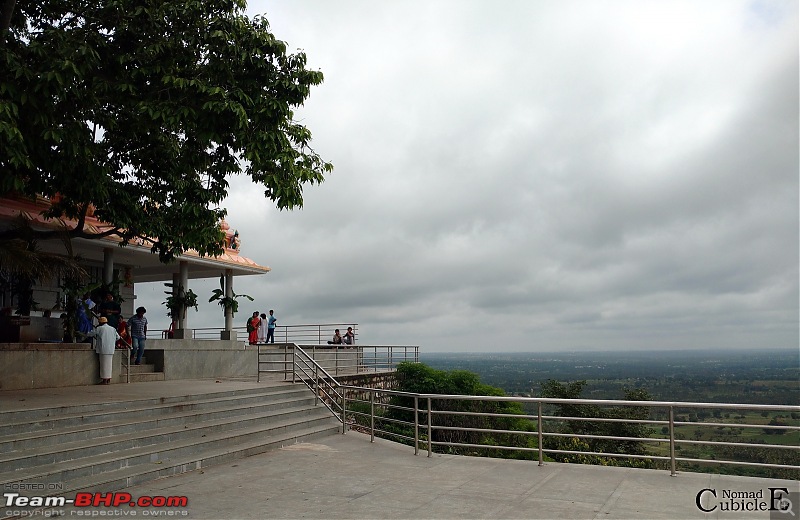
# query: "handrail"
{"points": [[338, 360], [127, 361], [326, 388], [318, 333], [334, 396], [428, 425]]}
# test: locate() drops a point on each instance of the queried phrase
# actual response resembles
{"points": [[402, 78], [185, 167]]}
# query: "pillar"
{"points": [[228, 333], [108, 265], [181, 280], [176, 329]]}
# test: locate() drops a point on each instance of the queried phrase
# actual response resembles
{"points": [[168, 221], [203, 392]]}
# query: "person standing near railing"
{"points": [[252, 328], [107, 337], [271, 327], [138, 331], [262, 329]]}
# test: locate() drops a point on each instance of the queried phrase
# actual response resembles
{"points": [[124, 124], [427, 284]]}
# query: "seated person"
{"points": [[349, 337], [337, 338]]}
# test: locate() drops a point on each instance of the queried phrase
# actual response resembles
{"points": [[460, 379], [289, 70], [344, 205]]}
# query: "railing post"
{"points": [[294, 365], [258, 363], [372, 416], [344, 410], [319, 334], [416, 425], [672, 442], [541, 437], [316, 384], [430, 433]]}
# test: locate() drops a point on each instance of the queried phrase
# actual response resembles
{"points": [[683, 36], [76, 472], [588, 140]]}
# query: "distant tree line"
{"points": [[482, 427]]}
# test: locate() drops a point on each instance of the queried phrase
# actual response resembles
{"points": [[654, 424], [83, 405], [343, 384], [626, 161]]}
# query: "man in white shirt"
{"points": [[106, 338]]}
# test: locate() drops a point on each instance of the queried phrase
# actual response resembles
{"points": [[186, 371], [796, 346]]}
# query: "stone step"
{"points": [[67, 451], [131, 427], [168, 452], [133, 475], [20, 422], [36, 413], [144, 378], [107, 446], [138, 369]]}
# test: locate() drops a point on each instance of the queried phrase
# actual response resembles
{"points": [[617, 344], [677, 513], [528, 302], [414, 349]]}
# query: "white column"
{"points": [[228, 333], [176, 280], [228, 294]]}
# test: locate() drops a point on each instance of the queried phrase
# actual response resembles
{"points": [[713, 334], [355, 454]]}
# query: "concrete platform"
{"points": [[347, 476]]}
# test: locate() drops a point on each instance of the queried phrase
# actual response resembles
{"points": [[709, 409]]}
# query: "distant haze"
{"points": [[537, 176]]}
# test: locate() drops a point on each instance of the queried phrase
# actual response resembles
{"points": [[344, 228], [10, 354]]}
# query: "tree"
{"points": [[470, 419], [141, 112], [23, 264], [554, 389]]}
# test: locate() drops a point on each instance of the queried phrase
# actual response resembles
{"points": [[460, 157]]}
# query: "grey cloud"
{"points": [[530, 175]]}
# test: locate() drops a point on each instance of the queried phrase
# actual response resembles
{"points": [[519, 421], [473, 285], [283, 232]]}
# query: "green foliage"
{"points": [[23, 264], [73, 288], [554, 389], [761, 376], [142, 111], [227, 302], [178, 300], [420, 378]]}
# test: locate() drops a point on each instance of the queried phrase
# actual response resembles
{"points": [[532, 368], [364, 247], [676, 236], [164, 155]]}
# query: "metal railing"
{"points": [[323, 384], [429, 416], [127, 361], [319, 333], [336, 360]]}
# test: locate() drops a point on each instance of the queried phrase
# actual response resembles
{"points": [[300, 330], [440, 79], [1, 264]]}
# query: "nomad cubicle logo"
{"points": [[778, 501]]}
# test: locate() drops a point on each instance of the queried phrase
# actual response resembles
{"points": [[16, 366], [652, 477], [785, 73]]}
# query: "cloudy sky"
{"points": [[538, 175]]}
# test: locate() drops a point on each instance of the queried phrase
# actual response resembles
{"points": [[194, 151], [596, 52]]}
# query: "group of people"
{"points": [[261, 329], [112, 331], [348, 339]]}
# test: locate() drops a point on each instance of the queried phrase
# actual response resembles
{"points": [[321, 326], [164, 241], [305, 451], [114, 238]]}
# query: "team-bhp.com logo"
{"points": [[778, 501], [81, 500]]}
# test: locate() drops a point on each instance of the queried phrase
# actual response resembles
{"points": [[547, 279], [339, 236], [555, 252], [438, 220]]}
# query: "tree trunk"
{"points": [[6, 10]]}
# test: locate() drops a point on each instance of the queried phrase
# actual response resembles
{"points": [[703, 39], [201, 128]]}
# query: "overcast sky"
{"points": [[537, 176]]}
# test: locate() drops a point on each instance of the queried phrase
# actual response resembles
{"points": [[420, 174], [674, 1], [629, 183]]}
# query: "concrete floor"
{"points": [[347, 476]]}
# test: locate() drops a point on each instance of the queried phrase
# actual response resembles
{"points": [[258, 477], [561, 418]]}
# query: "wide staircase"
{"points": [[109, 446]]}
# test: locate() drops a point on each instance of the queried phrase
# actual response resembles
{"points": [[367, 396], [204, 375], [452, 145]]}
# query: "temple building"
{"points": [[105, 261]]}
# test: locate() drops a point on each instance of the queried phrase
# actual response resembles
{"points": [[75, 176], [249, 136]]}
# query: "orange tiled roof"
{"points": [[32, 210]]}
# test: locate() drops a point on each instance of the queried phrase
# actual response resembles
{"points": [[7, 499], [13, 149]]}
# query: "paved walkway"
{"points": [[347, 476]]}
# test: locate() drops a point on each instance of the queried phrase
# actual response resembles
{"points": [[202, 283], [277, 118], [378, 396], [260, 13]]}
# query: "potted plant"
{"points": [[227, 302], [178, 300]]}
